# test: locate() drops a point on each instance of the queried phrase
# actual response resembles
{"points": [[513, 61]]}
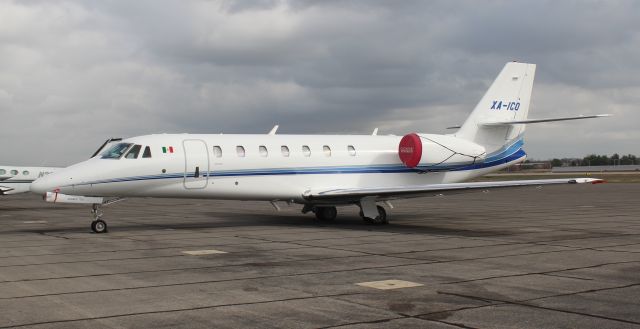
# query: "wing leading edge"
{"points": [[386, 193]]}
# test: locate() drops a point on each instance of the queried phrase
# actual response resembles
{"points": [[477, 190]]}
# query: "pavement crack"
{"points": [[363, 322], [526, 302], [542, 272], [216, 281], [568, 276]]}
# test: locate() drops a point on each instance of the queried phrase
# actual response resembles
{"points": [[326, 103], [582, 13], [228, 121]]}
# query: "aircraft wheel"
{"points": [[365, 219], [381, 219], [326, 213], [99, 226]]}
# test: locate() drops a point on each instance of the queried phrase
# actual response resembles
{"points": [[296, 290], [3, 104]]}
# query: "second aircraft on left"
{"points": [[14, 180]]}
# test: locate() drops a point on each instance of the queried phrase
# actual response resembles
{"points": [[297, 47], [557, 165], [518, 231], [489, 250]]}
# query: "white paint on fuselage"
{"points": [[252, 177]]}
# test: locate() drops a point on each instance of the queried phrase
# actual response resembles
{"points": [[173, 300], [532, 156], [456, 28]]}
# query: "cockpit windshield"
{"points": [[133, 152], [116, 151]]}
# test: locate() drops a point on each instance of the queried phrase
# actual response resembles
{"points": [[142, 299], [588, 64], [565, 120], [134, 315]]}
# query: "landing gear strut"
{"points": [[381, 219], [98, 225]]}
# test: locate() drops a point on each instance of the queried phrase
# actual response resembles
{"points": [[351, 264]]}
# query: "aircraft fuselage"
{"points": [[261, 167]]}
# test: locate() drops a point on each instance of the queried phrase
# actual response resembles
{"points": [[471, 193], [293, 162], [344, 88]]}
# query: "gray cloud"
{"points": [[77, 72]]}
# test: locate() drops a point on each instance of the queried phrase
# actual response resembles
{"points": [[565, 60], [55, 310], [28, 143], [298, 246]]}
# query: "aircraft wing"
{"points": [[5, 189], [387, 193]]}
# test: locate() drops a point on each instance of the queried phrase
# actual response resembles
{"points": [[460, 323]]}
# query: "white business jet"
{"points": [[319, 172], [14, 179]]}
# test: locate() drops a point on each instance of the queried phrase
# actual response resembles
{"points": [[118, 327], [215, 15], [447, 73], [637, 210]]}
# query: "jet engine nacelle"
{"points": [[438, 151], [65, 198]]}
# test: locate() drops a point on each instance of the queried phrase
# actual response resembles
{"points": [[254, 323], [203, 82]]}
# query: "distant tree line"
{"points": [[597, 160]]}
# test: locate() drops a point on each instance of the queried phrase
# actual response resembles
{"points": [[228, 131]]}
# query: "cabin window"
{"points": [[133, 152], [2, 171], [327, 150], [217, 151], [147, 152], [26, 172], [240, 151], [285, 150], [14, 172], [306, 150], [263, 151], [352, 150], [116, 151]]}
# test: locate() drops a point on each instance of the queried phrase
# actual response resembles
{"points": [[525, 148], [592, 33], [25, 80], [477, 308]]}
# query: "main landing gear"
{"points": [[369, 211], [97, 225], [380, 219], [326, 214]]}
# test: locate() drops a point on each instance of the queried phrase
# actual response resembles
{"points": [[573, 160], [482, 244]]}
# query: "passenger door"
{"points": [[196, 163]]}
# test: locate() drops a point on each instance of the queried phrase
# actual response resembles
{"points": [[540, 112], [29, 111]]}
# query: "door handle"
{"points": [[197, 174]]}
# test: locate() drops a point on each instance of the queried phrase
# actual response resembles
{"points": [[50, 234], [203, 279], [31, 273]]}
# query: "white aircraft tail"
{"points": [[507, 100]]}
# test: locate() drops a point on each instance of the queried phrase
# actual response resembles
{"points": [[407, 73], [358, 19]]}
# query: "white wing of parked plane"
{"points": [[433, 189], [5, 189]]}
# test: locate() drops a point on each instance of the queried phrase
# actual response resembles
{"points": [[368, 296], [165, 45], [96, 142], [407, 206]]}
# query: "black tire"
{"points": [[365, 219], [326, 213], [99, 226], [381, 219], [382, 216]]}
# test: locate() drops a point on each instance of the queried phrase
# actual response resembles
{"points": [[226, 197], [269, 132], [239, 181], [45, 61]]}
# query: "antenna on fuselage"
{"points": [[273, 130]]}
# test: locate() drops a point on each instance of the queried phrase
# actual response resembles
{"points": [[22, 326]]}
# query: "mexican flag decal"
{"points": [[167, 149]]}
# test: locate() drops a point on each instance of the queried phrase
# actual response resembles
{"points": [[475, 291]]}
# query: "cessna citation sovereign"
{"points": [[319, 172], [14, 180]]}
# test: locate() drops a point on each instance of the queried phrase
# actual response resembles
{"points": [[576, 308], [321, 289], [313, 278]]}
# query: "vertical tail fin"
{"points": [[508, 98]]}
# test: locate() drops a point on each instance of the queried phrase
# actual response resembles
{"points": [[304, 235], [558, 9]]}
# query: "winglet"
{"points": [[273, 130]]}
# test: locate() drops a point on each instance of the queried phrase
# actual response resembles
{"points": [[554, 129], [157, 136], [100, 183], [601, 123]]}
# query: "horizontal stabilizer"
{"points": [[516, 122]]}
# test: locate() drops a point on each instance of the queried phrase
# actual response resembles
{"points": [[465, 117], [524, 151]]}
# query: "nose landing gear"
{"points": [[98, 225]]}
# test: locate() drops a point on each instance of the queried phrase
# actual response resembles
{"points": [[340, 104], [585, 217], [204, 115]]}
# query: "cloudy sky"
{"points": [[73, 73]]}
